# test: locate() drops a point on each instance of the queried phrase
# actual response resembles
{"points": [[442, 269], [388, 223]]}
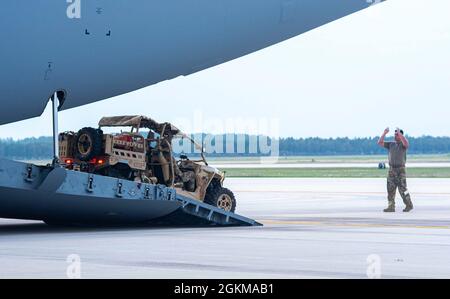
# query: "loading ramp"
{"points": [[55, 194]]}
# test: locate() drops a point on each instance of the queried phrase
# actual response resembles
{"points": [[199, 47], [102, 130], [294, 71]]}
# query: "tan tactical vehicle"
{"points": [[131, 156]]}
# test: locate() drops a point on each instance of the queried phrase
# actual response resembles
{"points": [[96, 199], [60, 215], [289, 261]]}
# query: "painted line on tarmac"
{"points": [[372, 225]]}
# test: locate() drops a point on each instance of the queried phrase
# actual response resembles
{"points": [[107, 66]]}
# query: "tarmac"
{"points": [[313, 228]]}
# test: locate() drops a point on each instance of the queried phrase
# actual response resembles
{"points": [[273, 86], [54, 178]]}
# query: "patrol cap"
{"points": [[401, 131]]}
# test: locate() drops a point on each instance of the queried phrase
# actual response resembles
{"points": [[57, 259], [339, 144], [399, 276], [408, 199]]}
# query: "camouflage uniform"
{"points": [[397, 174]]}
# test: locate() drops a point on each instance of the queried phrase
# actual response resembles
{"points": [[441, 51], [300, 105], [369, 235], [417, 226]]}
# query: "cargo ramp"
{"points": [[60, 196]]}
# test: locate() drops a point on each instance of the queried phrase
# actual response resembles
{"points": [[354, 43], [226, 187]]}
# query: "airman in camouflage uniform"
{"points": [[397, 169]]}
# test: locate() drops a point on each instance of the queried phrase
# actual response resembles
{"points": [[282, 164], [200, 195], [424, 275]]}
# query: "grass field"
{"points": [[333, 172], [333, 159], [329, 172]]}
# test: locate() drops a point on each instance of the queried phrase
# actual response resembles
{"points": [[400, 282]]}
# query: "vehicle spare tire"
{"points": [[221, 198], [88, 144]]}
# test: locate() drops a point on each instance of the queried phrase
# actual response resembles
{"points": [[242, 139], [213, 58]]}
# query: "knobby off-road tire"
{"points": [[221, 197], [88, 144]]}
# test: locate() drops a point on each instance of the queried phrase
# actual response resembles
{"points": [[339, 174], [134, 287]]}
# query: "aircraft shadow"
{"points": [[42, 228]]}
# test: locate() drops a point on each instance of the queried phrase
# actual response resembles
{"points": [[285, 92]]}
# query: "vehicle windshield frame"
{"points": [[198, 146]]}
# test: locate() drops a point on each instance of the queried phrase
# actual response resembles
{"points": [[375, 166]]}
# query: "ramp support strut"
{"points": [[55, 106]]}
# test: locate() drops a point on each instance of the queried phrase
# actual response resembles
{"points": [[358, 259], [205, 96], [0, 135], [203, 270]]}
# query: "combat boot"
{"points": [[389, 209], [408, 208]]}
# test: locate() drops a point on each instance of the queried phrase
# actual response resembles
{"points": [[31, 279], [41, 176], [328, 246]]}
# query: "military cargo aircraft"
{"points": [[76, 52], [89, 50]]}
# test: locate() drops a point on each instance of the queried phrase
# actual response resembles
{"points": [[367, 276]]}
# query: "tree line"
{"points": [[41, 148]]}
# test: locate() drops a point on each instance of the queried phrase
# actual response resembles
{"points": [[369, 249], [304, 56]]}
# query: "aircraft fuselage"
{"points": [[93, 50]]}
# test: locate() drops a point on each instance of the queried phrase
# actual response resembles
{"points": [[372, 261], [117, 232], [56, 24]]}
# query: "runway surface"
{"points": [[314, 228]]}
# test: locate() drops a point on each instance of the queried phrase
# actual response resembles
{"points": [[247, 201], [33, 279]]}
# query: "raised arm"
{"points": [[381, 140], [403, 139]]}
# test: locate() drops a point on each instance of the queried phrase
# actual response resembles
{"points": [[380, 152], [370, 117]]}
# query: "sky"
{"points": [[386, 66]]}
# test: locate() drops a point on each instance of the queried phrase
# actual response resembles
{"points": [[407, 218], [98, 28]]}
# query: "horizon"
{"points": [[353, 77], [388, 137]]}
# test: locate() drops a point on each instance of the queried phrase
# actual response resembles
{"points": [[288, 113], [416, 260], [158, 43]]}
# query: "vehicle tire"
{"points": [[222, 198], [88, 144]]}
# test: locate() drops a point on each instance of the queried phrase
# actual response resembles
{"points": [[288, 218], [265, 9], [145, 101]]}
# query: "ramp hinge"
{"points": [[29, 176], [119, 191], [147, 193], [90, 185]]}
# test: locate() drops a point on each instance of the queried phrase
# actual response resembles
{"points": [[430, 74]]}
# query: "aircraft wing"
{"points": [[94, 50]]}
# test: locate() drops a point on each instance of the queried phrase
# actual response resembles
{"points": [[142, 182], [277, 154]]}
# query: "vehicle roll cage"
{"points": [[166, 130]]}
